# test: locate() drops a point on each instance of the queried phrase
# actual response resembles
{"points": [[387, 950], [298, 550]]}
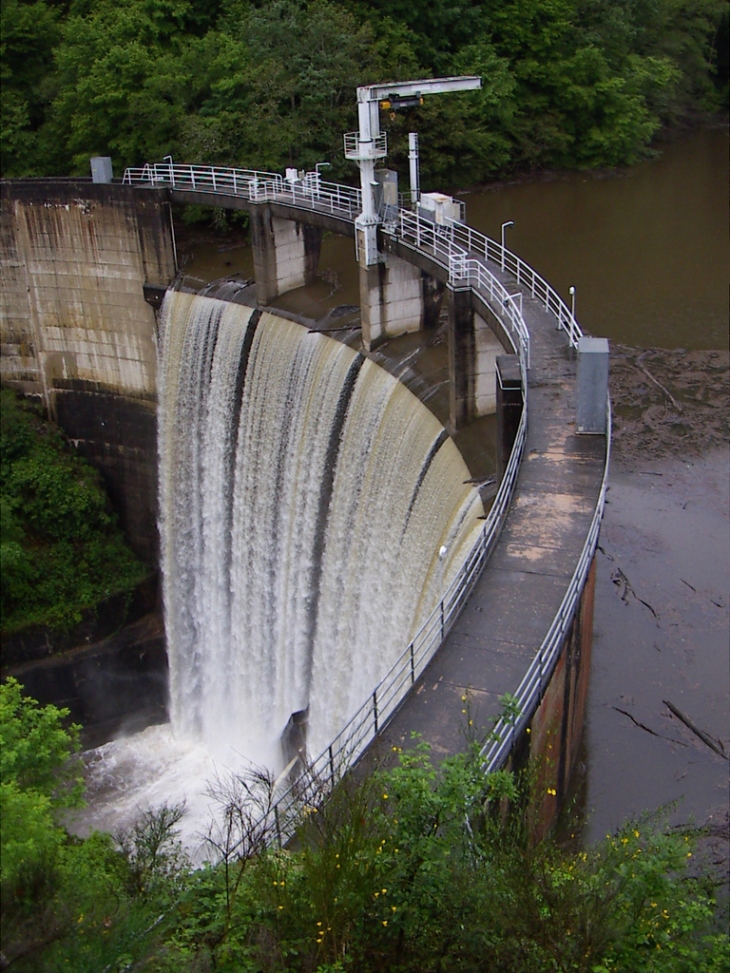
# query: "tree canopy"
{"points": [[254, 84]]}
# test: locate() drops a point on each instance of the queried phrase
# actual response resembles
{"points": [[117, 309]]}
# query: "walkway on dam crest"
{"points": [[504, 622]]}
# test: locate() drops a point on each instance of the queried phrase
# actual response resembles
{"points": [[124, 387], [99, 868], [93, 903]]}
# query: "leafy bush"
{"points": [[61, 551]]}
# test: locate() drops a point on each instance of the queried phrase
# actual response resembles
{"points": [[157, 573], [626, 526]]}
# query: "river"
{"points": [[647, 251]]}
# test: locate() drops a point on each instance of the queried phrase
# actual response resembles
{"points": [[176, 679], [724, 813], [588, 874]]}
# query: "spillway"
{"points": [[304, 497]]}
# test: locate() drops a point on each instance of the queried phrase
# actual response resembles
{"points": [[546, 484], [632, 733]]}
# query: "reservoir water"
{"points": [[646, 248]]}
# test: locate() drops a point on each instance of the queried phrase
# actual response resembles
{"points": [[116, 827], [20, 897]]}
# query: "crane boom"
{"points": [[428, 86]]}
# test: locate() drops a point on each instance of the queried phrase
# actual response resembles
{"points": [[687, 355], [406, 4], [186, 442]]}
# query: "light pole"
{"points": [[504, 227], [318, 176], [443, 551], [571, 291]]}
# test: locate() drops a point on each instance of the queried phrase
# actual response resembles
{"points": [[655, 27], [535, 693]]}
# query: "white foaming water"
{"points": [[304, 496]]}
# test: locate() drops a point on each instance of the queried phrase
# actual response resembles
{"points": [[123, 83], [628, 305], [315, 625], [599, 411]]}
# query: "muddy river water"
{"points": [[647, 250]]}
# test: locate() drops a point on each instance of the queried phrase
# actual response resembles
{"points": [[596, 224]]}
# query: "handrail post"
{"points": [[278, 826], [375, 709], [413, 666]]}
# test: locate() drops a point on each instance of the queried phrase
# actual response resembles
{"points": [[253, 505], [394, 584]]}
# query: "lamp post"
{"points": [[504, 227], [318, 175], [571, 291], [168, 160], [443, 551]]}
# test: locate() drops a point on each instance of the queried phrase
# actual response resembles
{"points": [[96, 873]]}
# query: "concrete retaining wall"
{"points": [[76, 330]]}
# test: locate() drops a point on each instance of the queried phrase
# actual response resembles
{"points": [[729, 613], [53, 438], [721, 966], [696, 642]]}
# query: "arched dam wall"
{"points": [[77, 332]]}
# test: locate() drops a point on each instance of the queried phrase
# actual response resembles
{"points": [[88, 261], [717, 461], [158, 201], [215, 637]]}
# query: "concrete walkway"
{"points": [[520, 591]]}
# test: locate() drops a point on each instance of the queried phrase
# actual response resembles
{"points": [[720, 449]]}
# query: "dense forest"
{"points": [[269, 83]]}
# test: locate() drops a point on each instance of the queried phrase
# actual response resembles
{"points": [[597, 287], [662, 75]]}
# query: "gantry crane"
{"points": [[370, 144]]}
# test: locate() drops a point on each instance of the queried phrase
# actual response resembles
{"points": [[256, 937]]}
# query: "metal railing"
{"points": [[438, 240], [462, 250], [257, 187], [376, 148], [538, 675], [479, 245], [458, 247]]}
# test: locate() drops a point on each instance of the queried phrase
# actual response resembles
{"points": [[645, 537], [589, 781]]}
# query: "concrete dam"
{"points": [[368, 505]]}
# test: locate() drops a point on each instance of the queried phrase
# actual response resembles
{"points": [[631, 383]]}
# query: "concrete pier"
{"points": [[473, 351], [396, 298], [285, 253]]}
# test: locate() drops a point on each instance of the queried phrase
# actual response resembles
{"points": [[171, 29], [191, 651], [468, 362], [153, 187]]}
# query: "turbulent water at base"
{"points": [[304, 497]]}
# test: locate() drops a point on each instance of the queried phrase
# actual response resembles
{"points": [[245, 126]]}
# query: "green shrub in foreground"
{"points": [[414, 868]]}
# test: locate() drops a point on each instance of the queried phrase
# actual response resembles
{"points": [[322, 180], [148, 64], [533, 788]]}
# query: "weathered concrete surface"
{"points": [[396, 298], [285, 252], [510, 611], [75, 259], [76, 330]]}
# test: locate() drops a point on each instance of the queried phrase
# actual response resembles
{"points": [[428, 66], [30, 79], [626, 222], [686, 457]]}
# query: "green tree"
{"points": [[122, 80], [60, 548], [38, 778], [29, 32]]}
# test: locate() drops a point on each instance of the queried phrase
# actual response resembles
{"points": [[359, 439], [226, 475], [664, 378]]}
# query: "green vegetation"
{"points": [[254, 84], [412, 869], [61, 551]]}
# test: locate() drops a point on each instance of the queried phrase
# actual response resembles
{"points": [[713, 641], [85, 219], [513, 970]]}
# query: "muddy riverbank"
{"points": [[662, 628]]}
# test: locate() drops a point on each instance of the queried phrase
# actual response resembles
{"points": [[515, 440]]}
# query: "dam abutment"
{"points": [[77, 332]]}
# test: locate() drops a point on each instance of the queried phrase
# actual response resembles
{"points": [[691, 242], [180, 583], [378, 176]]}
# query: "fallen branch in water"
{"points": [[648, 729], [678, 406], [709, 741]]}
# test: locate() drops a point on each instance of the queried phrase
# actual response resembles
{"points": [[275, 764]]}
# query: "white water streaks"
{"points": [[304, 496]]}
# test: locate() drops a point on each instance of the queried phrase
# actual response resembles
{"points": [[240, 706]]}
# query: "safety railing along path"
{"points": [[513, 289], [254, 186]]}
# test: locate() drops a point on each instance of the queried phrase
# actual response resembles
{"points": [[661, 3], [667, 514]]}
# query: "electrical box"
{"points": [[101, 169], [591, 407], [440, 209]]}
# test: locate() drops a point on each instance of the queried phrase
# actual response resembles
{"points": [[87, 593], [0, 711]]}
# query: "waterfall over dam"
{"points": [[304, 498]]}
